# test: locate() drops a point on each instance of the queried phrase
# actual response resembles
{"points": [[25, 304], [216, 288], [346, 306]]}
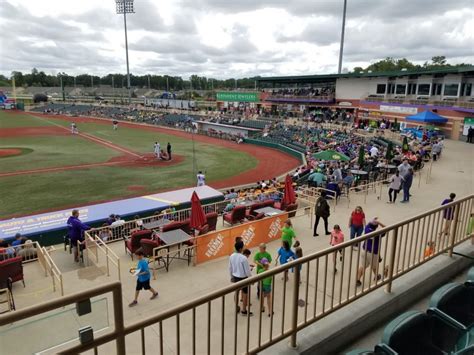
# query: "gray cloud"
{"points": [[416, 30]]}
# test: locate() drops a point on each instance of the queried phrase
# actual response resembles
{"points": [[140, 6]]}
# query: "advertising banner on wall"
{"points": [[238, 96], [221, 243], [399, 109]]}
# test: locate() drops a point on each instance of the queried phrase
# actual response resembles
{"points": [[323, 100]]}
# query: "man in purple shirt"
{"points": [[75, 231], [448, 214]]}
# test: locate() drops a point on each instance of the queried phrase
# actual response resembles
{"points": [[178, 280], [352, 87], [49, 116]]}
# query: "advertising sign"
{"points": [[221, 243], [399, 109], [238, 96]]}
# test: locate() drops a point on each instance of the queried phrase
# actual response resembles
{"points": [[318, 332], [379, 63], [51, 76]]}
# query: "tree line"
{"points": [[158, 82], [195, 82]]}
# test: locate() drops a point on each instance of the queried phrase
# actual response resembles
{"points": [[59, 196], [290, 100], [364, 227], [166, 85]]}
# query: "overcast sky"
{"points": [[227, 38]]}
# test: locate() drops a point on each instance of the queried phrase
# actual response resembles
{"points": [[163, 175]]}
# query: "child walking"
{"points": [[143, 278], [336, 238], [266, 287], [284, 255]]}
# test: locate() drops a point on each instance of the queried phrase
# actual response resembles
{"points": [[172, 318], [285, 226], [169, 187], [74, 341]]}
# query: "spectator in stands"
{"points": [[348, 180], [266, 286], [239, 269], [357, 222], [28, 251], [322, 210], [288, 233], [448, 214], [143, 278], [118, 221], [230, 206], [403, 168], [18, 240], [372, 247], [337, 237], [111, 219], [76, 232], [285, 254], [105, 234], [316, 179]]}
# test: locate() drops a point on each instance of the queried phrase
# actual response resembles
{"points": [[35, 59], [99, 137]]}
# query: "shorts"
{"points": [[237, 279], [266, 289], [143, 285], [368, 259]]}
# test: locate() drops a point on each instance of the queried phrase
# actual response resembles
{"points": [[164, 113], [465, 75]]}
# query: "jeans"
{"points": [[406, 193], [395, 193], [325, 219], [356, 231]]}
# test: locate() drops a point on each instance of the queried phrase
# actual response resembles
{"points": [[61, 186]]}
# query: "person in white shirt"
{"points": [[118, 221], [403, 168], [374, 151], [394, 187], [201, 179], [156, 150], [239, 269]]}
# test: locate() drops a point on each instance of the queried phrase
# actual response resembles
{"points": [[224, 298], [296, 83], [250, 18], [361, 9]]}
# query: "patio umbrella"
{"points": [[360, 161], [389, 154], [197, 218], [330, 155], [405, 145], [289, 196]]}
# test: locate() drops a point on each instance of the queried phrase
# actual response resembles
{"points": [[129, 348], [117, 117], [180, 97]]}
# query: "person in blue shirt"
{"points": [[76, 232], [18, 240], [285, 254], [143, 278]]}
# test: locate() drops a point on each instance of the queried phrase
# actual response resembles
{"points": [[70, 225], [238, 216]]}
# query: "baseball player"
{"points": [[157, 149], [115, 124]]}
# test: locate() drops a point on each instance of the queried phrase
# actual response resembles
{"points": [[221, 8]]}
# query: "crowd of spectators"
{"points": [[305, 92]]}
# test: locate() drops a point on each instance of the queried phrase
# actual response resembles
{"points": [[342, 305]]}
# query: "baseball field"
{"points": [[43, 166]]}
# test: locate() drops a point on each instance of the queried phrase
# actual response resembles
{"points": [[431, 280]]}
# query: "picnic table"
{"points": [[172, 238], [156, 224], [269, 211]]}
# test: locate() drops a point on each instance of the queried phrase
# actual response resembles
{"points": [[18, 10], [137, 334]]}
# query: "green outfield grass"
{"points": [[27, 194]]}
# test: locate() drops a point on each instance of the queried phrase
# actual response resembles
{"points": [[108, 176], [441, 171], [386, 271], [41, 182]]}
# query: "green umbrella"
{"points": [[330, 155], [361, 156], [405, 145], [389, 154]]}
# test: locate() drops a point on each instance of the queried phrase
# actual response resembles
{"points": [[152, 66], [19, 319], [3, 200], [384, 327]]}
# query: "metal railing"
{"points": [[28, 252], [94, 245], [320, 284], [54, 272]]}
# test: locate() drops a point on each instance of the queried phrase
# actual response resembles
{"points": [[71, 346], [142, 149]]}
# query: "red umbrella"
{"points": [[289, 196], [198, 218]]}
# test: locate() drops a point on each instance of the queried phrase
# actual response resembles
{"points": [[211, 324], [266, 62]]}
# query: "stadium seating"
{"points": [[237, 215], [11, 269], [211, 219], [132, 244]]}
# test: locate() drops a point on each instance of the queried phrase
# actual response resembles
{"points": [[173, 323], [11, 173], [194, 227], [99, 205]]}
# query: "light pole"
{"points": [[341, 48], [126, 7]]}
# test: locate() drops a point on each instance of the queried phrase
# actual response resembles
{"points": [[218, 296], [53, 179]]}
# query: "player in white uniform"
{"points": [[74, 129], [201, 179], [156, 150]]}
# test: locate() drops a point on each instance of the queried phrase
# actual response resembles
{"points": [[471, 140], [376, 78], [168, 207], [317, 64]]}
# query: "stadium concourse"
{"points": [[183, 282]]}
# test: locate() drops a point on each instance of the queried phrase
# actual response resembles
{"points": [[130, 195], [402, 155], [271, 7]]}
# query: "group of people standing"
{"points": [[160, 153], [401, 180]]}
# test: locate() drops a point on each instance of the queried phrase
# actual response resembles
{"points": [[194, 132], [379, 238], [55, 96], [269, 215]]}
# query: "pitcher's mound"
{"points": [[147, 160]]}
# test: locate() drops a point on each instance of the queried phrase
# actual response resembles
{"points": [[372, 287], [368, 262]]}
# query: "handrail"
{"points": [[402, 248], [110, 256], [54, 272]]}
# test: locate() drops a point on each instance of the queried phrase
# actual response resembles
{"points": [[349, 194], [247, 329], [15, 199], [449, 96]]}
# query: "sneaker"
{"points": [[245, 313], [358, 283], [328, 233], [154, 296], [316, 235], [134, 303]]}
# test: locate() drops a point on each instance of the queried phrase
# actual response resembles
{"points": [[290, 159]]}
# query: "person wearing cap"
{"points": [[371, 246], [18, 240], [261, 254], [266, 286]]}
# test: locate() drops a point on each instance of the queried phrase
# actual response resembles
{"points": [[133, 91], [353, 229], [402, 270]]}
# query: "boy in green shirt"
{"points": [[266, 287], [259, 256], [288, 233]]}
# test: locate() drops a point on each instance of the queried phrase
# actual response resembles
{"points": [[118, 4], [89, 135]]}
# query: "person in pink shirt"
{"points": [[336, 238]]}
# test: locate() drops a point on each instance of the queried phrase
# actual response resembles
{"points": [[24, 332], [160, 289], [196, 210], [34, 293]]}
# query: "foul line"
{"points": [[94, 139]]}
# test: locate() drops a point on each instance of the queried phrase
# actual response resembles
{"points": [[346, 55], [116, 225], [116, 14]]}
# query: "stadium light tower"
{"points": [[341, 48], [126, 7]]}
